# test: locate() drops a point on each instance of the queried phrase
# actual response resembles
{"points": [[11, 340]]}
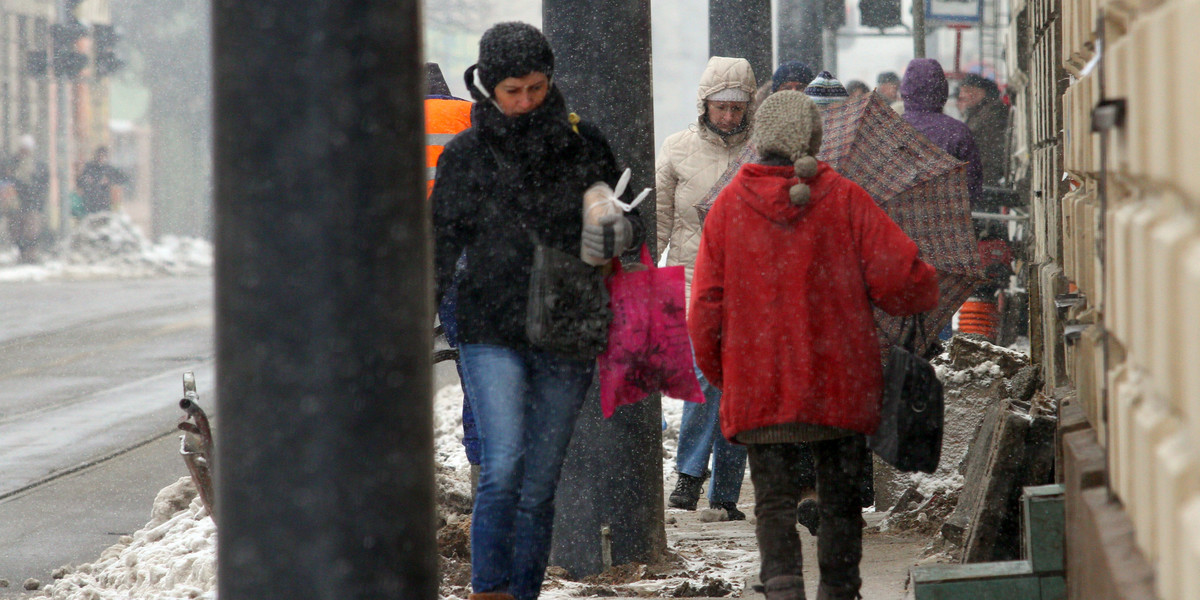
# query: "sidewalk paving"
{"points": [[884, 568], [729, 552]]}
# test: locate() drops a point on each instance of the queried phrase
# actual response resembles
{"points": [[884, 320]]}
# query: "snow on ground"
{"points": [[174, 555], [172, 558], [109, 245]]}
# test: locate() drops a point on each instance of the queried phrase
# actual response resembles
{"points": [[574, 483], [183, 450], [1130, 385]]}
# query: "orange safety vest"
{"points": [[444, 118]]}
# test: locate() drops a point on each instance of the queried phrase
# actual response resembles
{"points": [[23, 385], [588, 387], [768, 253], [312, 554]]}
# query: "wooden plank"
{"points": [[974, 466], [984, 534]]}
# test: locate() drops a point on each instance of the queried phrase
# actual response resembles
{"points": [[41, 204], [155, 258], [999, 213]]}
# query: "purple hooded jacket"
{"points": [[925, 91]]}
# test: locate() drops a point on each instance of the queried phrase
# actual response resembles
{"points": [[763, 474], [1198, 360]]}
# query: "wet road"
{"points": [[93, 368], [90, 377]]}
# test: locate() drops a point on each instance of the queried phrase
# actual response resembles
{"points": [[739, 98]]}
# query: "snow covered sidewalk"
{"points": [[173, 556]]}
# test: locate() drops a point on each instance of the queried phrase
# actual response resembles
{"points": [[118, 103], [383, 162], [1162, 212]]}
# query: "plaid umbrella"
{"points": [[921, 187]]}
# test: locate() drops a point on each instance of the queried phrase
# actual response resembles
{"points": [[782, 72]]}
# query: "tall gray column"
{"points": [[801, 36], [610, 499], [742, 29], [323, 303]]}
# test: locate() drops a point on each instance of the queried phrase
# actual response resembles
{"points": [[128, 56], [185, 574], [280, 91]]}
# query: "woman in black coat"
{"points": [[516, 179]]}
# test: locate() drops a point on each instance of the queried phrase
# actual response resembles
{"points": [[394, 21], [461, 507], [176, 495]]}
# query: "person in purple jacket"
{"points": [[925, 92]]}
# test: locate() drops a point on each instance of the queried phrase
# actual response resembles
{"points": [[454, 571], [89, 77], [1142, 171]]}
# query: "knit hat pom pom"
{"points": [[806, 166], [800, 194]]}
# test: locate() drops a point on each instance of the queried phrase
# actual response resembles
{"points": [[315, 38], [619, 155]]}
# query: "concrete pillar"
{"points": [[742, 29], [800, 33], [610, 499], [323, 304]]}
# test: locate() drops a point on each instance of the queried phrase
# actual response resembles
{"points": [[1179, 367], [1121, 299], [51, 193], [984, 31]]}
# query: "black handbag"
{"points": [[567, 311], [909, 436]]}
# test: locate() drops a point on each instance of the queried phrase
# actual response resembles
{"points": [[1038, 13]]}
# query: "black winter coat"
{"points": [[501, 184]]}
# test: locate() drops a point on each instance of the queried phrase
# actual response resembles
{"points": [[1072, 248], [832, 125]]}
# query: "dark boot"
{"points": [[824, 593], [730, 509], [784, 587], [808, 515], [491, 596], [687, 492]]}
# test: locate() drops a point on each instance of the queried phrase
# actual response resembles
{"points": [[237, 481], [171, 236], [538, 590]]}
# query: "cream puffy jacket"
{"points": [[691, 161]]}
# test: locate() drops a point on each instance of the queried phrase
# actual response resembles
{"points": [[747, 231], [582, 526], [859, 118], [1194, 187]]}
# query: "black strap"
{"points": [[908, 334]]}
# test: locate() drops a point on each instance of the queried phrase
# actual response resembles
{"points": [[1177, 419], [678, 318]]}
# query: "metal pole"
{"points": [[63, 151], [958, 31], [323, 305], [64, 125], [742, 29], [829, 50], [609, 506], [800, 34], [918, 15]]}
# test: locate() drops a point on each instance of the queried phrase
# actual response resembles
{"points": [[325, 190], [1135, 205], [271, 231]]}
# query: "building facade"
{"points": [[65, 134], [1105, 92]]}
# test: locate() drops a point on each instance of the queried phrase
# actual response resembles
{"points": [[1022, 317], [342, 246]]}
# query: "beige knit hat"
{"points": [[788, 124]]}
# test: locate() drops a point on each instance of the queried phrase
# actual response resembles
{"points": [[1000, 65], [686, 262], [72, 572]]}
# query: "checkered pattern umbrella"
{"points": [[921, 187]]}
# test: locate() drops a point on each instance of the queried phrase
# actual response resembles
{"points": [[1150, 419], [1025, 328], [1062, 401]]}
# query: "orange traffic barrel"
{"points": [[978, 317]]}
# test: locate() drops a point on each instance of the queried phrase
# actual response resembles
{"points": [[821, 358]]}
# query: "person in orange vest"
{"points": [[445, 117]]}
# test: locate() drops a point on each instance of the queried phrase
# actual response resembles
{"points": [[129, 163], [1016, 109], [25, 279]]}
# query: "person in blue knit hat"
{"points": [[790, 75]]}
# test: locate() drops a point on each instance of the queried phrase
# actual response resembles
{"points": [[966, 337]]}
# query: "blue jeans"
{"points": [[526, 404], [700, 436], [448, 315]]}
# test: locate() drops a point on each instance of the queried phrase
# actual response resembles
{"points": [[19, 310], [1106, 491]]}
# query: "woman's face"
{"points": [[726, 116], [519, 95]]}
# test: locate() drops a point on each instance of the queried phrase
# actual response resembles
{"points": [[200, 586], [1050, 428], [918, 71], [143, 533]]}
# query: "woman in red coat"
{"points": [[792, 259]]}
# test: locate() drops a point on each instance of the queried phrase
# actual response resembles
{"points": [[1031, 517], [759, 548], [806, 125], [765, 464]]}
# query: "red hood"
{"points": [[765, 189]]}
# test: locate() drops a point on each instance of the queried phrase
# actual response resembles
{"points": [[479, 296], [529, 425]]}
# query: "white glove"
{"points": [[610, 237]]}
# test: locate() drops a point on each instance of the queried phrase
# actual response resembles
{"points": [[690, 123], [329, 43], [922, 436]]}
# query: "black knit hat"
{"points": [[513, 49]]}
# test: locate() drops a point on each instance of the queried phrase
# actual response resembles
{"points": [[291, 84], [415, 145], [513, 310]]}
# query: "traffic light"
{"points": [[104, 38], [68, 62], [879, 13]]}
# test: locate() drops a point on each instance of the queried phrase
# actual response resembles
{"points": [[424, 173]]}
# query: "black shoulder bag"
{"points": [[911, 417], [567, 312]]}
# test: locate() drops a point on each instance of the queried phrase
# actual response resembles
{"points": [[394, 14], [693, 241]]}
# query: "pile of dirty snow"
{"points": [[172, 557], [975, 374], [109, 245]]}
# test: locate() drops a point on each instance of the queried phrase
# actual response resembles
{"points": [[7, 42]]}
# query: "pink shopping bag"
{"points": [[648, 347]]}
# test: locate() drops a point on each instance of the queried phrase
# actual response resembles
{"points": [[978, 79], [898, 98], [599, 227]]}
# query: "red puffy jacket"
{"points": [[780, 314]]}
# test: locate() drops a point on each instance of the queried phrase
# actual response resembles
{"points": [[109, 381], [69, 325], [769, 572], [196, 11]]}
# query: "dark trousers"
{"points": [[775, 470]]}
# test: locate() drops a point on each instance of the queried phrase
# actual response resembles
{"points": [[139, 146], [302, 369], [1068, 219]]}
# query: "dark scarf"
{"points": [[529, 139], [745, 124]]}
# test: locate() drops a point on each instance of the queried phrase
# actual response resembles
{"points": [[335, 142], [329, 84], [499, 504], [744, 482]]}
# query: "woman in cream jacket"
{"points": [[688, 165]]}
